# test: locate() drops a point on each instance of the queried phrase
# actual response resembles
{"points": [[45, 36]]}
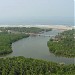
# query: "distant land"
{"points": [[62, 27]]}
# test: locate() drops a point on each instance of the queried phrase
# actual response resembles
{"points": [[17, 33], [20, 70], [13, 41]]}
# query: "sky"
{"points": [[37, 12]]}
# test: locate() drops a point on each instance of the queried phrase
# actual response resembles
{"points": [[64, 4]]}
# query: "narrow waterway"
{"points": [[36, 47]]}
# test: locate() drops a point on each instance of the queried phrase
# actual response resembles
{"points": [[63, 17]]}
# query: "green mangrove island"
{"points": [[63, 44]]}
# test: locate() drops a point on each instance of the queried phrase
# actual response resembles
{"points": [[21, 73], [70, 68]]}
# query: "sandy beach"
{"points": [[61, 27]]}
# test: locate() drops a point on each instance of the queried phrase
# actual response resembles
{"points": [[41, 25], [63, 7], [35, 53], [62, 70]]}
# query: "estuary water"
{"points": [[36, 47]]}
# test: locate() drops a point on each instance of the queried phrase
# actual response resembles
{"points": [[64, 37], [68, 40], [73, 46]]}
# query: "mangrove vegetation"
{"points": [[28, 66], [63, 44], [6, 40]]}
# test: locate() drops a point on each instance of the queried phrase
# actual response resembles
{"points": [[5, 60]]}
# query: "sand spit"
{"points": [[61, 27]]}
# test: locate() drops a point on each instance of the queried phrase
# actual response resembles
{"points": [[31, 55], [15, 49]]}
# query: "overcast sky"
{"points": [[36, 11]]}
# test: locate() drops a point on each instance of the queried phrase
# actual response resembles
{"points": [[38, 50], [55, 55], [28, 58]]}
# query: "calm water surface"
{"points": [[36, 47]]}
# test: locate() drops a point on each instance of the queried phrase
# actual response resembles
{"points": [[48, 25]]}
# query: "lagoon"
{"points": [[36, 47]]}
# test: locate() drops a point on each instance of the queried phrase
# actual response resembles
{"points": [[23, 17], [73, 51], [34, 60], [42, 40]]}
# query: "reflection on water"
{"points": [[36, 47]]}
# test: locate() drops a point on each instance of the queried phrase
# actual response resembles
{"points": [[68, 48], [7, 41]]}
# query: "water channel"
{"points": [[36, 47]]}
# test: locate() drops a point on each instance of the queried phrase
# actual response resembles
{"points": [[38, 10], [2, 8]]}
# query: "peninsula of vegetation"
{"points": [[6, 40], [8, 35], [63, 44]]}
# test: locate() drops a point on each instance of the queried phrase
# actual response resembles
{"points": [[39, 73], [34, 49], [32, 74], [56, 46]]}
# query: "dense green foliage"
{"points": [[63, 44], [6, 40], [24, 29], [28, 66]]}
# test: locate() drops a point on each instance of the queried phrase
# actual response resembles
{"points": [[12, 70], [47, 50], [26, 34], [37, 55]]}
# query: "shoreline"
{"points": [[61, 27]]}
